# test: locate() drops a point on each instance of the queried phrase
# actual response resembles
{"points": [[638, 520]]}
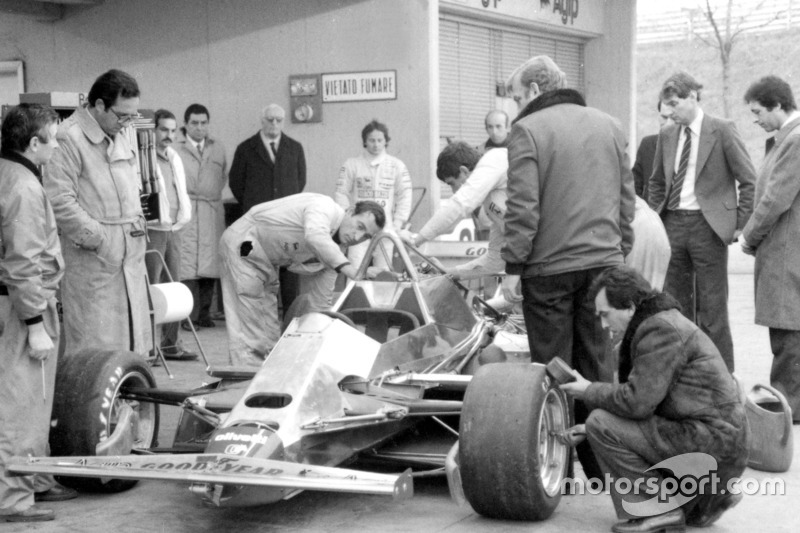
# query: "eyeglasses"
{"points": [[125, 119], [274, 119]]}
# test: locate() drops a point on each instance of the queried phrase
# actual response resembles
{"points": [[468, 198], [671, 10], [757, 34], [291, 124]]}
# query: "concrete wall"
{"points": [[610, 66], [235, 56]]}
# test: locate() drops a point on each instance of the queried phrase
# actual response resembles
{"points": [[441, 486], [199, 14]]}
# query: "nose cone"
{"points": [[243, 441], [246, 441]]}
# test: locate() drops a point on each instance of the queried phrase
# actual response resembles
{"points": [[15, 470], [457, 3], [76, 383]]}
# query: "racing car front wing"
{"points": [[220, 469]]}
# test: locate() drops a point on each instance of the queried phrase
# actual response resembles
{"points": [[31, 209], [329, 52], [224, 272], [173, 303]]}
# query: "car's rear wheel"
{"points": [[511, 460], [87, 408]]}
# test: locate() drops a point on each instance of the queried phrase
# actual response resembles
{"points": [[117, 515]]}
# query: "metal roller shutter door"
{"points": [[474, 58]]}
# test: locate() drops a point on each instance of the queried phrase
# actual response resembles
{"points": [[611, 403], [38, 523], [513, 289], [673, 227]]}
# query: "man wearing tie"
{"points": [[268, 166], [698, 161], [204, 163]]}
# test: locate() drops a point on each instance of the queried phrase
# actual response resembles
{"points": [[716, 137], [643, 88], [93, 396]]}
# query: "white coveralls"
{"points": [[296, 232], [651, 251], [384, 180], [30, 269], [485, 186]]}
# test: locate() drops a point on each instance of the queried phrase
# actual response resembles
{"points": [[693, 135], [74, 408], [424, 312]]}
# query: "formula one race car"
{"points": [[401, 370]]}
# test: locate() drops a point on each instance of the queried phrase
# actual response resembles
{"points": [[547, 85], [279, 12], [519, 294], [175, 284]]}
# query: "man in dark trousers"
{"points": [[699, 161], [267, 166], [645, 155], [568, 217], [773, 234]]}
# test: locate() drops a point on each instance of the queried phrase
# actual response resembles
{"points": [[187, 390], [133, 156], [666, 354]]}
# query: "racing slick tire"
{"points": [[86, 404], [512, 463]]}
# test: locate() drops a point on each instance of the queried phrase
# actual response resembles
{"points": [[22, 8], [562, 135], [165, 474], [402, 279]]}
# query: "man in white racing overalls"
{"points": [[304, 232], [476, 180], [376, 176]]}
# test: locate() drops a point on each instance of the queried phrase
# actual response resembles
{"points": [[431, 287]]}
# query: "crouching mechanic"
{"points": [[675, 396], [476, 180], [304, 232]]}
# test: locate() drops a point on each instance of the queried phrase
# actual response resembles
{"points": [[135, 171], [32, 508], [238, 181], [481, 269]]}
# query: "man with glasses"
{"points": [[93, 185], [267, 166]]}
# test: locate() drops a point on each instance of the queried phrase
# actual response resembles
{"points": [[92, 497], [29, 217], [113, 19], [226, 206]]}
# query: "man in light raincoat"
{"points": [[204, 164], [93, 185]]}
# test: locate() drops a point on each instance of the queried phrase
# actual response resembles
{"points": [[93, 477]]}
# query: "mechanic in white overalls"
{"points": [[31, 266], [476, 180], [304, 232], [376, 176]]}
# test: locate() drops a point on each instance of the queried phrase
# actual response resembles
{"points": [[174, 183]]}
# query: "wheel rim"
{"points": [[144, 420], [553, 454]]}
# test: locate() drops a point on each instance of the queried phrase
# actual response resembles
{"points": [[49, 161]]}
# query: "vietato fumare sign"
{"points": [[359, 86]]}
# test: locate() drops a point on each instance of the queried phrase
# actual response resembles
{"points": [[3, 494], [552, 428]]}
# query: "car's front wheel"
{"points": [[511, 459], [87, 408]]}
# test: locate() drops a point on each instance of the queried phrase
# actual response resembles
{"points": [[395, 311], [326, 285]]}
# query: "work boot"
{"points": [[57, 493], [205, 322], [31, 514], [178, 354], [670, 522], [714, 510]]}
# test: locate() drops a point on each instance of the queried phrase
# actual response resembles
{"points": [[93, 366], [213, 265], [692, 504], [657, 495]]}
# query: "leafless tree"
{"points": [[726, 28]]}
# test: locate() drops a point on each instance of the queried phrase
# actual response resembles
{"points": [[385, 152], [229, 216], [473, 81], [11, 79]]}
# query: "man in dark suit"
{"points": [[698, 162], [267, 166], [645, 155]]}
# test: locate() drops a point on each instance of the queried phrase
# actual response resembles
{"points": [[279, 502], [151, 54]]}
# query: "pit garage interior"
{"points": [[448, 59]]}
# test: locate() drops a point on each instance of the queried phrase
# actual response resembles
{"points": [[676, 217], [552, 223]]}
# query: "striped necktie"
{"points": [[677, 182]]}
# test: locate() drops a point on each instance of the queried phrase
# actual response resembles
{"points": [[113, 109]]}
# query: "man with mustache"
{"points": [[175, 210], [305, 233]]}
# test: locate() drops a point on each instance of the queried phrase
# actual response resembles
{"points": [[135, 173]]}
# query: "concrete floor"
{"points": [[165, 507]]}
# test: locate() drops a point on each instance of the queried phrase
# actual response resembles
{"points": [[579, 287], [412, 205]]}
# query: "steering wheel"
{"points": [[335, 314], [483, 307]]}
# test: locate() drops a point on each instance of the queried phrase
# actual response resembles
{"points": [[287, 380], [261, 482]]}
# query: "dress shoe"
{"points": [[179, 355], [187, 327], [206, 322], [57, 493], [714, 510], [670, 522], [31, 514]]}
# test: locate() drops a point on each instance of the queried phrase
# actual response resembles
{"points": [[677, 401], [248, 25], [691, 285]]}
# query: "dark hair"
{"points": [[495, 112], [162, 114], [196, 109], [770, 91], [374, 126], [368, 206], [112, 85], [680, 84], [24, 122], [453, 156], [624, 286]]}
